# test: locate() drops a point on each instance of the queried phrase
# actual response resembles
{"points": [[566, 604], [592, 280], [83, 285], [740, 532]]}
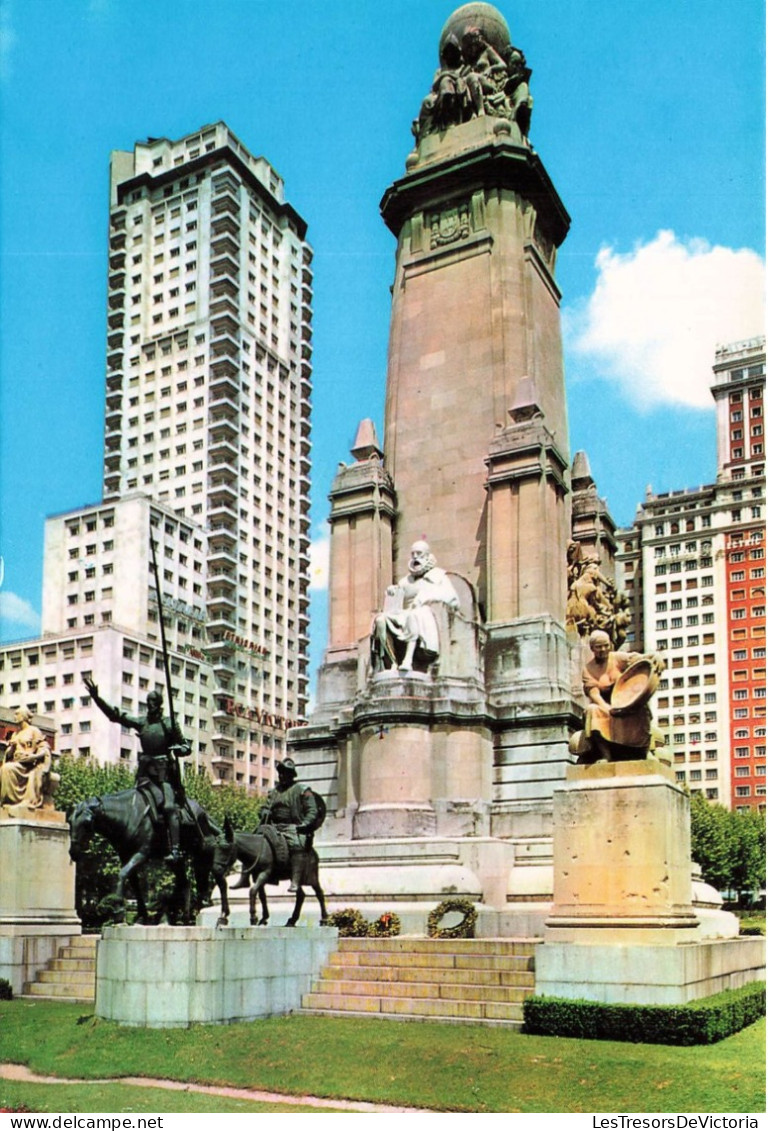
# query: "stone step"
{"points": [[339, 971], [68, 977], [483, 981], [63, 992], [413, 945], [438, 961], [416, 1007], [62, 963], [422, 990]]}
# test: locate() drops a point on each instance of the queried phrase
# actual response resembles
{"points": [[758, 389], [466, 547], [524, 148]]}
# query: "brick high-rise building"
{"points": [[695, 558], [207, 438]]}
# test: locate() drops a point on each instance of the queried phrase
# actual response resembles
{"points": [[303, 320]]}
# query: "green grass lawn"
{"points": [[444, 1067], [752, 919], [126, 1100]]}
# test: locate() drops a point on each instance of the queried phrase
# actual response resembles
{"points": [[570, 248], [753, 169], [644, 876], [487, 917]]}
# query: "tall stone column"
{"points": [[475, 316]]}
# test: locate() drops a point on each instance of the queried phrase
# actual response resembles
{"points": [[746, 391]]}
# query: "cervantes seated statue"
{"points": [[405, 635]]}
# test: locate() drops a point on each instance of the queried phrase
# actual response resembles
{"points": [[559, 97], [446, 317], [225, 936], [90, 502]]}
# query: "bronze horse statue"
{"points": [[259, 856], [125, 820]]}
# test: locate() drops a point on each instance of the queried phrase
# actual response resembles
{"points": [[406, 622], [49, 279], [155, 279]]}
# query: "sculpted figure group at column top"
{"points": [[480, 73]]}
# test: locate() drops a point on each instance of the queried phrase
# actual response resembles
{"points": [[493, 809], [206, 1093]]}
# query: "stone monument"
{"points": [[37, 881], [445, 700]]}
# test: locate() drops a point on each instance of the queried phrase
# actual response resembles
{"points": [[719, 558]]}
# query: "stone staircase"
{"points": [[471, 980], [71, 976]]}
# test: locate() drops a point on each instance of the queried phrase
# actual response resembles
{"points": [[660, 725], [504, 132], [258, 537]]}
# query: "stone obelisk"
{"points": [[469, 742]]}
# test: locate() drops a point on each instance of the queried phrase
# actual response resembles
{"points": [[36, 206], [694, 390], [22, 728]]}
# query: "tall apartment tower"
{"points": [[694, 564], [207, 442]]}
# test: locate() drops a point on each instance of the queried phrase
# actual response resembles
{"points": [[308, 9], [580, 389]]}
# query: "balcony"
{"points": [[221, 574], [115, 319], [220, 490], [224, 265], [225, 244], [220, 605], [117, 241], [225, 224], [225, 348], [221, 620], [225, 305], [115, 360], [225, 517], [116, 260], [221, 448], [116, 298], [223, 406], [225, 286], [223, 386], [223, 473], [115, 340], [222, 430], [223, 536], [225, 204], [225, 326], [219, 558]]}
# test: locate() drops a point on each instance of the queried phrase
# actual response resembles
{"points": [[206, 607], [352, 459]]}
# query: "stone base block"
{"points": [[37, 893], [645, 974], [173, 977], [37, 878]]}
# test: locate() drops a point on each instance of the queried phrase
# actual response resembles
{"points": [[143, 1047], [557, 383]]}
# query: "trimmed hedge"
{"points": [[698, 1023]]}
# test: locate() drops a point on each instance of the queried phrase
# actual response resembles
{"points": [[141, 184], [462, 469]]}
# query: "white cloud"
{"points": [[319, 556], [15, 610], [657, 314]]}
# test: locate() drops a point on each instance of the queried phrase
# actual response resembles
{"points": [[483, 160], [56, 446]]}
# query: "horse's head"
{"points": [[81, 827], [224, 851]]}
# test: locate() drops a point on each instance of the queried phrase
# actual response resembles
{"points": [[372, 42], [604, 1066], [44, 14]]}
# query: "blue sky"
{"points": [[648, 114]]}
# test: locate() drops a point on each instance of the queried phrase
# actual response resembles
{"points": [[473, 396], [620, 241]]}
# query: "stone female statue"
{"points": [[27, 761], [616, 731]]}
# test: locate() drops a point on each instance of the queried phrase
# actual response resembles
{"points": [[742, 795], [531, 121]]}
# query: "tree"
{"points": [[748, 871], [729, 846], [711, 841]]}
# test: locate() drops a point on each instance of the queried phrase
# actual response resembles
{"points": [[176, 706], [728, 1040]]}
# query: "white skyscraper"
{"points": [[207, 436]]}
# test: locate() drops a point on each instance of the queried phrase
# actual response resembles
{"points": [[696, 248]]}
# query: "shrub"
{"points": [[697, 1023], [463, 930], [350, 922], [385, 926], [6, 990]]}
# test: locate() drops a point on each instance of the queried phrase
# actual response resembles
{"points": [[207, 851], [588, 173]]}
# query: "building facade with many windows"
{"points": [[207, 444], [694, 566]]}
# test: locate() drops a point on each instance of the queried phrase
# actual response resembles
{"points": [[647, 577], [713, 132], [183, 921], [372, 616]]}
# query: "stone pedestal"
{"points": [[37, 892], [622, 856], [622, 926], [173, 977]]}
